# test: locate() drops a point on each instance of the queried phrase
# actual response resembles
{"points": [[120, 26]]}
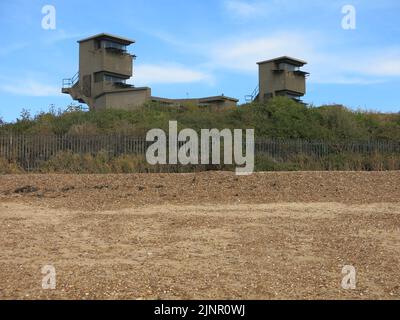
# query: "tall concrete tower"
{"points": [[104, 67]]}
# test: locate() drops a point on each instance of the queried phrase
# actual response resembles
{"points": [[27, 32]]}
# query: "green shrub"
{"points": [[280, 117]]}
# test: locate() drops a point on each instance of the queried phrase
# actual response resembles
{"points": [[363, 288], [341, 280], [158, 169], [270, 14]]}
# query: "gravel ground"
{"points": [[200, 236], [107, 192]]}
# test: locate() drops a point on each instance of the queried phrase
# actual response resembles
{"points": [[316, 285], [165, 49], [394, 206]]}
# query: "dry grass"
{"points": [[7, 167]]}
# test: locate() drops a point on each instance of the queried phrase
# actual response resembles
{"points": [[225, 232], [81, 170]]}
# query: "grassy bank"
{"points": [[279, 118], [67, 162]]}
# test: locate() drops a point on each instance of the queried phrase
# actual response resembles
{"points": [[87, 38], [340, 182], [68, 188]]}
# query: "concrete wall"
{"points": [[270, 82], [103, 86], [116, 63], [215, 105], [126, 99], [86, 56], [295, 82], [266, 85], [218, 105], [93, 60]]}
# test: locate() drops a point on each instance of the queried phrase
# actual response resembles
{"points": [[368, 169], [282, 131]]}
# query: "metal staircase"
{"points": [[70, 86], [252, 97], [70, 82]]}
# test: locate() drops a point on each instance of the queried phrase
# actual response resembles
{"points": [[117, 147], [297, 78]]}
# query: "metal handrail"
{"points": [[253, 96], [70, 82]]}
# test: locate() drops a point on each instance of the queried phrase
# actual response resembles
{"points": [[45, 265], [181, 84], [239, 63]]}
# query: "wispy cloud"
{"points": [[169, 73], [165, 37], [346, 80], [245, 9], [30, 87], [384, 65], [49, 39], [60, 35], [241, 54], [11, 48], [355, 66]]}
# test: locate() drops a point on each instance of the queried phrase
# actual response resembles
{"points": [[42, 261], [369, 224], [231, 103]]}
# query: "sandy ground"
{"points": [[201, 236]]}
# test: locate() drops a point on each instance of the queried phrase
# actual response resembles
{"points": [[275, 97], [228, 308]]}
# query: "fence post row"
{"points": [[29, 151]]}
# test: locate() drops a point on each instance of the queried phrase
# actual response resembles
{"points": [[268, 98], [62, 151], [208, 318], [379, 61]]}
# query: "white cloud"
{"points": [[60, 35], [169, 73], [355, 66], [31, 88], [359, 66], [242, 54], [244, 9], [49, 39], [388, 66], [8, 49], [345, 80]]}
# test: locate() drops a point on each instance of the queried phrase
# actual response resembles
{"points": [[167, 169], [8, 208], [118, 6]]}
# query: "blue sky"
{"points": [[193, 48]]}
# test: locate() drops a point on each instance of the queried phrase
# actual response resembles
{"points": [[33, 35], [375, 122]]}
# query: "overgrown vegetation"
{"points": [[68, 162], [7, 167], [281, 118]]}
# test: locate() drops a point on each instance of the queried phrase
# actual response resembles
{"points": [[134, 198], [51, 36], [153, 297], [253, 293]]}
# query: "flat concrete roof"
{"points": [[294, 61], [122, 90], [109, 36], [218, 98], [294, 93], [205, 99]]}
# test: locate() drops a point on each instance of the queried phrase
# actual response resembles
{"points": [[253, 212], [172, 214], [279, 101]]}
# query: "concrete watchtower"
{"points": [[280, 77], [104, 67]]}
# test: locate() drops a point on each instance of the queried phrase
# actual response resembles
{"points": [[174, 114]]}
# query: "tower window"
{"points": [[113, 45], [288, 67], [114, 79]]}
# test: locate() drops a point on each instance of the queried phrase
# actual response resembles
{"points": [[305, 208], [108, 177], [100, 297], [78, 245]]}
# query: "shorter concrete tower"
{"points": [[280, 77]]}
